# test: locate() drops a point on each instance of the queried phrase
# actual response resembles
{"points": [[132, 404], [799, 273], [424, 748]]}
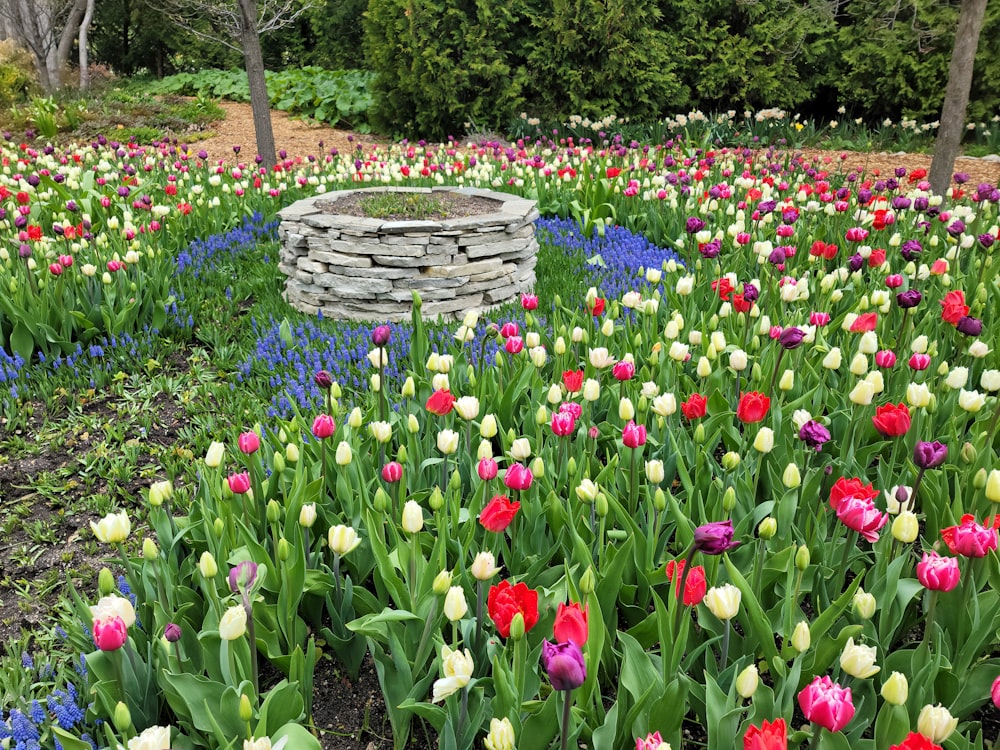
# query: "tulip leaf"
{"points": [[759, 624], [21, 341], [68, 741]]}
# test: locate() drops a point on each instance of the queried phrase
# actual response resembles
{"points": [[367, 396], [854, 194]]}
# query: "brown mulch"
{"points": [[300, 139]]}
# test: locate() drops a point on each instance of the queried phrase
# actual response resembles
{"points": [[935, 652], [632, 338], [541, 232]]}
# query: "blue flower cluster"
{"points": [[23, 728], [205, 255], [623, 254], [10, 371]]}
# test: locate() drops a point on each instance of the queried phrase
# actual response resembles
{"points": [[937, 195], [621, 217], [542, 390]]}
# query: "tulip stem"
{"points": [[567, 705], [479, 614], [726, 630], [911, 501], [632, 496], [774, 375], [849, 543], [520, 657], [413, 572], [758, 570], [251, 633], [931, 610], [336, 577]]}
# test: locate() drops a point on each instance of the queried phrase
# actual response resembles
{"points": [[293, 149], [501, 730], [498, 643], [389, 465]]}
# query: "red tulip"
{"points": [[529, 302], [598, 307], [892, 420], [769, 736], [441, 402], [694, 587], [753, 407], [953, 306], [864, 323], [504, 601], [498, 513], [695, 407], [571, 623], [573, 380], [916, 741]]}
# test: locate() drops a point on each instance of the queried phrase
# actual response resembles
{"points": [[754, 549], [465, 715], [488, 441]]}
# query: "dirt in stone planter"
{"points": [[449, 205]]}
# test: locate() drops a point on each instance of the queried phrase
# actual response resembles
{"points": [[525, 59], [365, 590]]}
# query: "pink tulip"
{"points": [[995, 692], [634, 435], [885, 358], [323, 426], [623, 370], [819, 319], [487, 469], [110, 633], [239, 483], [920, 361], [652, 741], [513, 344], [518, 477], [509, 329], [827, 704], [248, 442], [563, 424], [529, 302], [392, 472], [894, 280], [860, 514], [938, 573]]}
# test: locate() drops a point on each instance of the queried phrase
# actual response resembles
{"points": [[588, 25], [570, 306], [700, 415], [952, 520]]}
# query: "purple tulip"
{"points": [[855, 262], [694, 225], [750, 292], [714, 538], [911, 250], [563, 663], [987, 240], [909, 298], [969, 326], [791, 337], [814, 434], [323, 379], [381, 335], [929, 455], [172, 632]]}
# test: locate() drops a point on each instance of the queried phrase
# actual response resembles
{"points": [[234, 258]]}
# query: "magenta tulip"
{"points": [[827, 704]]}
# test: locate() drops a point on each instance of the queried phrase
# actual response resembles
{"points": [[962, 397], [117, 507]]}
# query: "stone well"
{"points": [[359, 268]]}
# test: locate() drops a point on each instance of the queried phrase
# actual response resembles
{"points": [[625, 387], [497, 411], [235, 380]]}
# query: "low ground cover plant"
{"points": [[733, 466]]}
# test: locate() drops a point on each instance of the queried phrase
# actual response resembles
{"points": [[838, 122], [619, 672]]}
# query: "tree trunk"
{"points": [[253, 60], [65, 47], [84, 61], [956, 96]]}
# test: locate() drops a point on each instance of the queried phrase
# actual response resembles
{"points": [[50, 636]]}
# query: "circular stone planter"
{"points": [[360, 268]]}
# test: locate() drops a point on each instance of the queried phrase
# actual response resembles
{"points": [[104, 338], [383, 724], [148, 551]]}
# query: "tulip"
{"points": [[233, 623], [905, 527], [323, 426], [995, 692], [342, 539], [633, 435], [563, 663], [747, 681], [501, 734], [242, 576], [769, 736], [654, 471], [239, 484], [929, 455], [714, 538], [938, 573], [518, 477], [895, 690], [801, 637], [993, 486], [456, 668], [484, 566], [114, 528], [413, 517], [447, 441], [970, 538], [487, 469], [248, 442], [826, 703], [652, 741], [392, 472], [723, 601], [858, 661], [455, 606], [571, 623], [764, 440], [520, 449], [151, 738], [936, 723]]}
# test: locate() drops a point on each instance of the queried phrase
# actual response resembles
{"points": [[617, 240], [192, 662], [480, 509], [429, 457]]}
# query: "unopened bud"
{"points": [[517, 627], [149, 550], [122, 718], [601, 505], [284, 549], [969, 453], [729, 499], [273, 511], [730, 460], [278, 462], [767, 528], [905, 527], [246, 709], [105, 582], [801, 637], [659, 500], [442, 582], [791, 478], [747, 681], [218, 528], [802, 558], [896, 690], [588, 581], [864, 604], [436, 500]]}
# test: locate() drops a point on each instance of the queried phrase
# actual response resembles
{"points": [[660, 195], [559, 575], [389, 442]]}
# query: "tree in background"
{"points": [[48, 29], [239, 25], [956, 98]]}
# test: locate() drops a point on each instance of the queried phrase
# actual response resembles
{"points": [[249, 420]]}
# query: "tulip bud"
{"points": [[659, 500], [801, 637], [412, 425], [213, 458], [895, 690], [729, 499], [601, 505], [654, 471], [767, 528], [105, 582], [968, 453], [730, 460], [122, 719], [802, 558], [149, 550], [246, 709], [571, 467], [992, 486], [436, 500], [307, 515], [409, 389], [442, 582], [791, 477], [787, 381], [413, 517], [864, 604], [538, 467], [278, 462], [699, 434], [381, 500], [517, 627], [764, 442], [905, 527], [588, 581], [207, 566], [625, 409], [542, 414], [455, 606], [218, 527], [747, 681], [292, 453], [591, 389]]}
